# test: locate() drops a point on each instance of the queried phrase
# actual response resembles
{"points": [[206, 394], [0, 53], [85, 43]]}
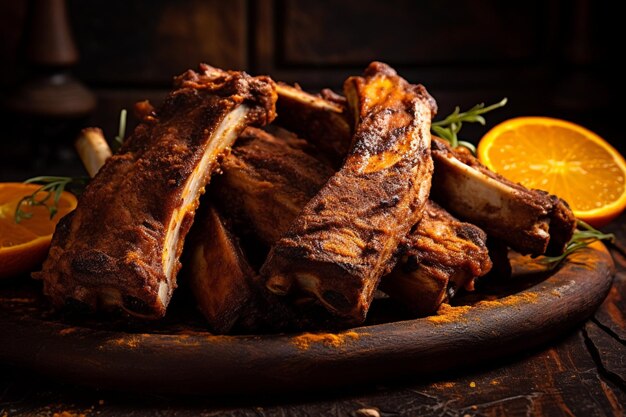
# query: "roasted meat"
{"points": [[230, 293], [266, 181], [529, 221], [120, 247], [323, 122], [220, 277], [345, 238], [442, 256]]}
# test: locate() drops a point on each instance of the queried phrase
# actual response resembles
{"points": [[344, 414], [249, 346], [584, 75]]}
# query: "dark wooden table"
{"points": [[582, 374]]}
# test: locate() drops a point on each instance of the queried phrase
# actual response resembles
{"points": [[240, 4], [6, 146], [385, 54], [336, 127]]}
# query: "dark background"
{"points": [[553, 58]]}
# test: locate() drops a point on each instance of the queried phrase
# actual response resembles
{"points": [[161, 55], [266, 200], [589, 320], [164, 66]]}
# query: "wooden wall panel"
{"points": [[146, 42], [444, 32]]}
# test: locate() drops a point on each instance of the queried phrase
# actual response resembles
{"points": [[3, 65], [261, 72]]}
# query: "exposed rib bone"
{"points": [[529, 221], [93, 149]]}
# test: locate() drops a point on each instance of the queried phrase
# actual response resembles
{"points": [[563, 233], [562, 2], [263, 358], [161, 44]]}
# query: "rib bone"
{"points": [[529, 221]]}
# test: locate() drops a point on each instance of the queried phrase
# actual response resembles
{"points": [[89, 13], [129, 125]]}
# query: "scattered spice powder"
{"points": [[511, 300], [305, 340], [131, 341], [68, 414], [448, 314], [444, 385]]}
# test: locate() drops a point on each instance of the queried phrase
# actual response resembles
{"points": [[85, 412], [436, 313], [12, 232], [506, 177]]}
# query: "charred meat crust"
{"points": [[113, 248], [322, 121], [266, 181], [230, 293], [441, 257], [220, 275], [262, 195], [345, 238], [544, 223]]}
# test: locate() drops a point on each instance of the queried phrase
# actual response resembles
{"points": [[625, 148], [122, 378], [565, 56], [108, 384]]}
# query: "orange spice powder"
{"points": [[448, 314], [305, 340], [511, 300]]}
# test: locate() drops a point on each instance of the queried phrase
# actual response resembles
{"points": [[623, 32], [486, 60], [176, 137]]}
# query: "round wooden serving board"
{"points": [[177, 356]]}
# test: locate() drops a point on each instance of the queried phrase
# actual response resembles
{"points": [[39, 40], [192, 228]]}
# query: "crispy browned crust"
{"points": [[442, 256], [263, 193], [321, 120], [344, 239], [110, 252], [542, 223], [266, 181], [220, 276], [229, 292], [529, 221]]}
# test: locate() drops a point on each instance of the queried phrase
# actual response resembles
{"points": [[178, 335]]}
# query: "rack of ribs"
{"points": [[345, 238], [529, 221], [267, 180], [120, 247]]}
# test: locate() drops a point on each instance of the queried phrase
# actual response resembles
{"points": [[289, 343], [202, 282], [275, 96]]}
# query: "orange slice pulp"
{"points": [[24, 245]]}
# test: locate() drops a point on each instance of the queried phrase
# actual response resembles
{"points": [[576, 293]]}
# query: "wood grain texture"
{"points": [[145, 43], [504, 32], [194, 361]]}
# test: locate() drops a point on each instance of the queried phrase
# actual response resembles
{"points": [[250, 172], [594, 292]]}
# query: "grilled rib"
{"points": [[529, 221], [267, 180], [443, 255], [120, 247], [344, 239], [220, 275]]}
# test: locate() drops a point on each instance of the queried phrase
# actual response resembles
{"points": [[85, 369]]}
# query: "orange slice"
{"points": [[24, 245], [562, 158]]}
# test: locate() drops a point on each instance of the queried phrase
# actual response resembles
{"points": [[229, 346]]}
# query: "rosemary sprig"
{"points": [[121, 132], [584, 235], [48, 195], [449, 127]]}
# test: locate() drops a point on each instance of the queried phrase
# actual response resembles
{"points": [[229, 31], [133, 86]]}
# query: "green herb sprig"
{"points": [[449, 127], [584, 235], [48, 195]]}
